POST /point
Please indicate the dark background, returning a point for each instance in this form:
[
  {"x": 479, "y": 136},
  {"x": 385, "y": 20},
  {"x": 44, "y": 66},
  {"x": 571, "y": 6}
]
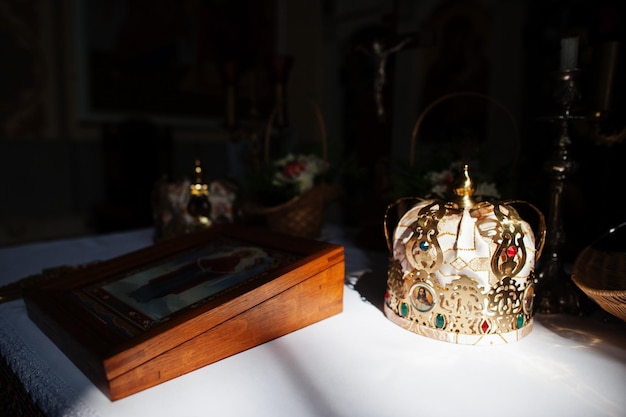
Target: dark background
[{"x": 69, "y": 148}]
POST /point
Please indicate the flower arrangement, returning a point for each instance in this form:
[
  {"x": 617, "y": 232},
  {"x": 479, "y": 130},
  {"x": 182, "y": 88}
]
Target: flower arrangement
[
  {"x": 442, "y": 182},
  {"x": 291, "y": 194},
  {"x": 439, "y": 184},
  {"x": 288, "y": 177},
  {"x": 296, "y": 173}
]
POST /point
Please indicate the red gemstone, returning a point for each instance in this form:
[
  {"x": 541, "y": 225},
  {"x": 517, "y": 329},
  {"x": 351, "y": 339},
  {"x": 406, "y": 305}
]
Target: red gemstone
[
  {"x": 511, "y": 251},
  {"x": 484, "y": 326}
]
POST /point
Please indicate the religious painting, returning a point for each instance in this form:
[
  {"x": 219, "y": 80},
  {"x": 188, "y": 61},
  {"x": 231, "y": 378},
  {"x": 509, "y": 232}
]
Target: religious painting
[
  {"x": 29, "y": 87},
  {"x": 151, "y": 294},
  {"x": 172, "y": 61},
  {"x": 465, "y": 112},
  {"x": 459, "y": 61}
]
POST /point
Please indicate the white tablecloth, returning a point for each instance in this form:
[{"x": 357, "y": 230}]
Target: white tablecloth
[{"x": 356, "y": 363}]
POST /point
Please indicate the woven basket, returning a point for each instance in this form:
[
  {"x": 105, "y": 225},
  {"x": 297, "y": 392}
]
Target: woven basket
[
  {"x": 601, "y": 275},
  {"x": 467, "y": 94},
  {"x": 303, "y": 215}
]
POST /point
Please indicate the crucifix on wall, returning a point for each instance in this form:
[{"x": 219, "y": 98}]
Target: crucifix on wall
[{"x": 381, "y": 51}]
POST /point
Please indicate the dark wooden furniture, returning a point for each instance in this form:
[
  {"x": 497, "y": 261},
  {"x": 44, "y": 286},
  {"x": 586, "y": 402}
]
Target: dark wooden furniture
[{"x": 124, "y": 350}]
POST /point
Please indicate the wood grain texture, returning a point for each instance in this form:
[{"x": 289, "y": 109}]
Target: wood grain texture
[{"x": 293, "y": 296}]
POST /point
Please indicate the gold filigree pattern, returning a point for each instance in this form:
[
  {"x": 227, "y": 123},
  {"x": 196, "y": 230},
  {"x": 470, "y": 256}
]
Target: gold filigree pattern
[
  {"x": 463, "y": 272},
  {"x": 422, "y": 248},
  {"x": 505, "y": 263},
  {"x": 461, "y": 307}
]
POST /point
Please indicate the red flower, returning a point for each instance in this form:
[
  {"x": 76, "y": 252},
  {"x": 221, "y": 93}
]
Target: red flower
[{"x": 293, "y": 169}]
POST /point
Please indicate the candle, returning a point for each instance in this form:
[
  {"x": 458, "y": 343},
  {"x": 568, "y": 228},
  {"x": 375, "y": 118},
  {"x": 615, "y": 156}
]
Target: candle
[
  {"x": 605, "y": 75},
  {"x": 569, "y": 53}
]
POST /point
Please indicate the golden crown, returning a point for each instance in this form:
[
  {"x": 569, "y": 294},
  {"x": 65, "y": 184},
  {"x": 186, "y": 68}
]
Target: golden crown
[{"x": 463, "y": 272}]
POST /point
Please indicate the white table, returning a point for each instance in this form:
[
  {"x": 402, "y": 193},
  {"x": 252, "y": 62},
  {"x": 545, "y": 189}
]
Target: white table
[{"x": 355, "y": 364}]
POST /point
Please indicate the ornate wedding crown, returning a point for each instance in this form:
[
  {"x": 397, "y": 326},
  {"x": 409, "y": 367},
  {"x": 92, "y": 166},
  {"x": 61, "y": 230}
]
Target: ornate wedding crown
[{"x": 463, "y": 272}]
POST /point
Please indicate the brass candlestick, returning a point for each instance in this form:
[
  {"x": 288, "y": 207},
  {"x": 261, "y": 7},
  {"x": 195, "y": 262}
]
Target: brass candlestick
[{"x": 555, "y": 290}]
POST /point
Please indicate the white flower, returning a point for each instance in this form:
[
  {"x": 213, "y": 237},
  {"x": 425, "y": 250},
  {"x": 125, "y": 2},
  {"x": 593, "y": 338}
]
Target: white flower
[
  {"x": 487, "y": 189},
  {"x": 439, "y": 189},
  {"x": 439, "y": 178}
]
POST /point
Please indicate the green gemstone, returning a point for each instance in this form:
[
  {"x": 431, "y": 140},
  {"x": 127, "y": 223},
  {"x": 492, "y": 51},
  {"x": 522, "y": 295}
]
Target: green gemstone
[
  {"x": 520, "y": 321},
  {"x": 440, "y": 321},
  {"x": 404, "y": 309}
]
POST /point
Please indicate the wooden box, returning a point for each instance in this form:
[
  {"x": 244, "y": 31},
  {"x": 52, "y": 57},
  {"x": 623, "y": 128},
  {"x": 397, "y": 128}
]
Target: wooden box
[{"x": 157, "y": 313}]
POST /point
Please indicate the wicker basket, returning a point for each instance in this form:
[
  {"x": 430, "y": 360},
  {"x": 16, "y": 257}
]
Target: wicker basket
[
  {"x": 601, "y": 275},
  {"x": 514, "y": 147},
  {"x": 303, "y": 215}
]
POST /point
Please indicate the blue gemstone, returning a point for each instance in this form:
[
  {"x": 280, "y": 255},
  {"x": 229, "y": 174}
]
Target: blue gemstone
[{"x": 424, "y": 246}]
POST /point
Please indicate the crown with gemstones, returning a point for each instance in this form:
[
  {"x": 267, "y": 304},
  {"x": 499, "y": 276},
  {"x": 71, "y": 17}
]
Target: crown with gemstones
[{"x": 463, "y": 272}]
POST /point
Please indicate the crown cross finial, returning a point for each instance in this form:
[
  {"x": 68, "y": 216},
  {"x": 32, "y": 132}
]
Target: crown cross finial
[{"x": 464, "y": 188}]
